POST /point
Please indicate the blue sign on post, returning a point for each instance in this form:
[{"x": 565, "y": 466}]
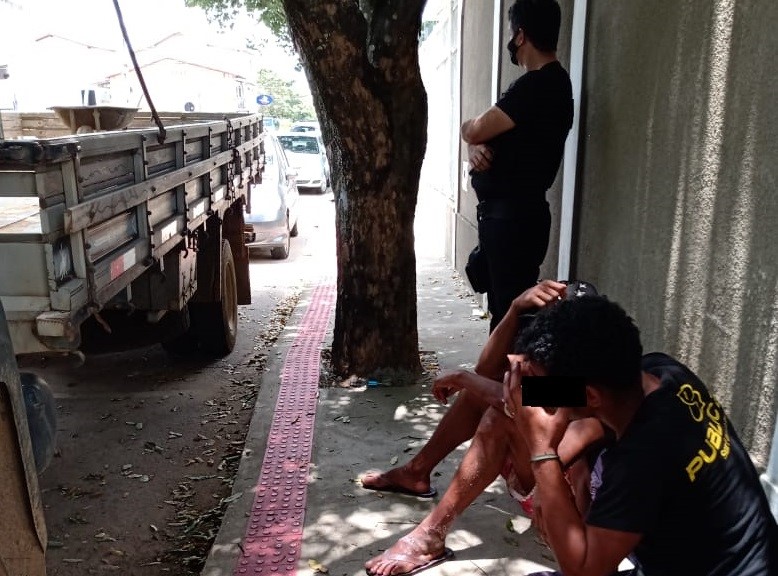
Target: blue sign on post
[{"x": 264, "y": 99}]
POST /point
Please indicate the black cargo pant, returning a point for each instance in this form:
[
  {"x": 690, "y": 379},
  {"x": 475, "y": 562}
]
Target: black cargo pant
[{"x": 514, "y": 240}]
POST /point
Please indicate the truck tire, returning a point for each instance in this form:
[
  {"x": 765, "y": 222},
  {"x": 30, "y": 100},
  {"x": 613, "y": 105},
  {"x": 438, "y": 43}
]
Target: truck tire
[
  {"x": 185, "y": 344},
  {"x": 217, "y": 322},
  {"x": 282, "y": 252},
  {"x": 41, "y": 418}
]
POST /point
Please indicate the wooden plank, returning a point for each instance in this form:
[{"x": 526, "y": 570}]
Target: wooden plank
[
  {"x": 104, "y": 173},
  {"x": 99, "y": 209},
  {"x": 17, "y": 183}
]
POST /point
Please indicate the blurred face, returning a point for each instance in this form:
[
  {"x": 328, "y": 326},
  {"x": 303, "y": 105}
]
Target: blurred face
[{"x": 529, "y": 368}]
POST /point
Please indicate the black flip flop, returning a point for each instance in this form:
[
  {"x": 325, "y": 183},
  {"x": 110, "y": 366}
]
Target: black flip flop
[
  {"x": 431, "y": 493},
  {"x": 447, "y": 554}
]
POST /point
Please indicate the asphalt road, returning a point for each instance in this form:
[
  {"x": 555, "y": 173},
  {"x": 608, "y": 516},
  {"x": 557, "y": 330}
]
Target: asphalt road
[{"x": 148, "y": 444}]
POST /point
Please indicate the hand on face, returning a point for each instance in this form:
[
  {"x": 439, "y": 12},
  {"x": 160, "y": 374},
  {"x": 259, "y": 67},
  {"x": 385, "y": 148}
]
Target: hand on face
[{"x": 542, "y": 429}]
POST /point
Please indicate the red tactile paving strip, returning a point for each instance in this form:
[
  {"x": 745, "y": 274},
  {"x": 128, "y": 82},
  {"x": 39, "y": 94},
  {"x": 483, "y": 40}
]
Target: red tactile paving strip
[{"x": 274, "y": 534}]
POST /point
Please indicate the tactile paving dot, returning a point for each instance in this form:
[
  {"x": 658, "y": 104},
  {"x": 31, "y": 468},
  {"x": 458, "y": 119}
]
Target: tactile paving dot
[{"x": 274, "y": 531}]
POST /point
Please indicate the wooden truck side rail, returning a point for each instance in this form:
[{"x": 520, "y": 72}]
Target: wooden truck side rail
[{"x": 103, "y": 208}]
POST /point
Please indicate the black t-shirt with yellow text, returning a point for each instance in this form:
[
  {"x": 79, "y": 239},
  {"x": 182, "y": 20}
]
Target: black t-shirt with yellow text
[{"x": 680, "y": 476}]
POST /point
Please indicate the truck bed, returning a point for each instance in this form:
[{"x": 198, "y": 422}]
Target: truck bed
[{"x": 82, "y": 217}]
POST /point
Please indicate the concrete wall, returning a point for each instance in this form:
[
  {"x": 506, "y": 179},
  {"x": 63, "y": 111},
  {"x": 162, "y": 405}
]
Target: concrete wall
[
  {"x": 678, "y": 209},
  {"x": 439, "y": 60},
  {"x": 477, "y": 96}
]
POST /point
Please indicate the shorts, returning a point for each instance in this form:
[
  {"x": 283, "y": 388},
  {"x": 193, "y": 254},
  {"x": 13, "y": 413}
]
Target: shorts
[
  {"x": 524, "y": 497},
  {"x": 516, "y": 490}
]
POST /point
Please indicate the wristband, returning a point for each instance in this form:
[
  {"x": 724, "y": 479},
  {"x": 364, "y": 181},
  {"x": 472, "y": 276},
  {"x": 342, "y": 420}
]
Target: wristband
[{"x": 544, "y": 457}]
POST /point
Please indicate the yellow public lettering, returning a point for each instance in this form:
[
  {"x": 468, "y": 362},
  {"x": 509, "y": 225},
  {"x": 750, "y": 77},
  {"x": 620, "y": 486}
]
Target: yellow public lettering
[
  {"x": 693, "y": 467},
  {"x": 713, "y": 436},
  {"x": 725, "y": 449},
  {"x": 713, "y": 411},
  {"x": 708, "y": 458}
]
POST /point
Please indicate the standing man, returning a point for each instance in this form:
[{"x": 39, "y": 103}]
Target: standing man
[{"x": 514, "y": 149}]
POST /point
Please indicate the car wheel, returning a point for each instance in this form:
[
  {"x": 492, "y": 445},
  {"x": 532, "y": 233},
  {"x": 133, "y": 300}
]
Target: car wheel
[
  {"x": 294, "y": 231},
  {"x": 282, "y": 252},
  {"x": 323, "y": 189}
]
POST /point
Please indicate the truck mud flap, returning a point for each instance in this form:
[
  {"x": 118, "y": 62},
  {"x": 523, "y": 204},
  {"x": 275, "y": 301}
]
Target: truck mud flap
[
  {"x": 233, "y": 232},
  {"x": 23, "y": 534}
]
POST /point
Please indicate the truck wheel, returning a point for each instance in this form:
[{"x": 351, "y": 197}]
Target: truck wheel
[
  {"x": 217, "y": 322},
  {"x": 41, "y": 418},
  {"x": 186, "y": 344}
]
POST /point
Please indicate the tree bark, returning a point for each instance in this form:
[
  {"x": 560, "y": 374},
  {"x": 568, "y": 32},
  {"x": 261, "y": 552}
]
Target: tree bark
[{"x": 361, "y": 59}]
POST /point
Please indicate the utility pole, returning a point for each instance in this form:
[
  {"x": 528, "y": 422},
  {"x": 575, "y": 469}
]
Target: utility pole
[{"x": 3, "y": 76}]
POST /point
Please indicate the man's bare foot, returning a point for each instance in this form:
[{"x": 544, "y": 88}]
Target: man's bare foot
[
  {"x": 398, "y": 480},
  {"x": 410, "y": 554}
]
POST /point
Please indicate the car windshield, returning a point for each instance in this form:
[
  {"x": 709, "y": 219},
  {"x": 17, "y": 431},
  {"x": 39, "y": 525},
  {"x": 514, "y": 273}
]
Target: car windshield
[{"x": 300, "y": 144}]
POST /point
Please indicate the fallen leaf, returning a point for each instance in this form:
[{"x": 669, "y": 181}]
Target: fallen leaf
[
  {"x": 394, "y": 460},
  {"x": 317, "y": 567}
]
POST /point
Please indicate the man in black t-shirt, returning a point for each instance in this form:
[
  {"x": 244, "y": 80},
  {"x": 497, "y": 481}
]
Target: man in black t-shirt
[
  {"x": 514, "y": 149},
  {"x": 679, "y": 492}
]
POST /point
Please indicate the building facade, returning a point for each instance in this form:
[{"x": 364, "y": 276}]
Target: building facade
[{"x": 667, "y": 196}]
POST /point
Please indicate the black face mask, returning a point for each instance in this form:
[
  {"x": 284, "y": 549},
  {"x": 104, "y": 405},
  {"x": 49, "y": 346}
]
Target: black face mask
[{"x": 512, "y": 51}]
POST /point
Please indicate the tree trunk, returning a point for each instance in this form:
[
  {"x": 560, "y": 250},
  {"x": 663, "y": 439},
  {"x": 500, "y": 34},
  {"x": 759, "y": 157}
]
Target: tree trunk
[{"x": 362, "y": 64}]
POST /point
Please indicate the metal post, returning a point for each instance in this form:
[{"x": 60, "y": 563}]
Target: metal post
[{"x": 570, "y": 163}]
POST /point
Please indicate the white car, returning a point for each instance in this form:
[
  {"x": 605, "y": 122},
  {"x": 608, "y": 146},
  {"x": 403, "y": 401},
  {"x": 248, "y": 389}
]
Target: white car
[
  {"x": 305, "y": 127},
  {"x": 306, "y": 154},
  {"x": 272, "y": 208}
]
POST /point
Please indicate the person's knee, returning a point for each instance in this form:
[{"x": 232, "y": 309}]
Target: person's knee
[
  {"x": 472, "y": 401},
  {"x": 494, "y": 426}
]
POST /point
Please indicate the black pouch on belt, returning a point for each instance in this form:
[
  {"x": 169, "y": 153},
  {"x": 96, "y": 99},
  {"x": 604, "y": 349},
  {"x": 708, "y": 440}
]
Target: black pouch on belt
[{"x": 477, "y": 271}]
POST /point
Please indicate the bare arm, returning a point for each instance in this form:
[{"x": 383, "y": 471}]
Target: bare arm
[
  {"x": 452, "y": 381},
  {"x": 580, "y": 549},
  {"x": 483, "y": 128},
  {"x": 493, "y": 361}
]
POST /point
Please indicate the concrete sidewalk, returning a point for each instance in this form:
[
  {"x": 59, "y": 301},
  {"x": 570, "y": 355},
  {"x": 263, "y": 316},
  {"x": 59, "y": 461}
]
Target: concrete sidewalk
[{"x": 359, "y": 429}]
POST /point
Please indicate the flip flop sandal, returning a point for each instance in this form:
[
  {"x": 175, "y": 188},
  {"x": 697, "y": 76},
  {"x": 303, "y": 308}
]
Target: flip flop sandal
[
  {"x": 447, "y": 554},
  {"x": 431, "y": 493}
]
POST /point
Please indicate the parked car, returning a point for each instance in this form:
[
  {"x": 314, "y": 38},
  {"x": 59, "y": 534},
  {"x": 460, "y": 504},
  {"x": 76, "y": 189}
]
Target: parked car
[
  {"x": 305, "y": 127},
  {"x": 305, "y": 151},
  {"x": 271, "y": 215},
  {"x": 270, "y": 124}
]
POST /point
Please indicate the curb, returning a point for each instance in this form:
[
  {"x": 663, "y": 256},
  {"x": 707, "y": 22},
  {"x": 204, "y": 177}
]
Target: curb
[{"x": 226, "y": 549}]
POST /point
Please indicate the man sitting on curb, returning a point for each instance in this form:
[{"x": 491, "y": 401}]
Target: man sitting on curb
[
  {"x": 496, "y": 446},
  {"x": 679, "y": 491}
]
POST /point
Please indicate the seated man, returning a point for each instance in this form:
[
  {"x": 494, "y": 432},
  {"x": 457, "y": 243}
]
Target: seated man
[
  {"x": 496, "y": 446},
  {"x": 679, "y": 492}
]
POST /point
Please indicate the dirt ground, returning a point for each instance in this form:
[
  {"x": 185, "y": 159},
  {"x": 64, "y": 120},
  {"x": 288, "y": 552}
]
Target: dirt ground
[
  {"x": 148, "y": 445},
  {"x": 147, "y": 450}
]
